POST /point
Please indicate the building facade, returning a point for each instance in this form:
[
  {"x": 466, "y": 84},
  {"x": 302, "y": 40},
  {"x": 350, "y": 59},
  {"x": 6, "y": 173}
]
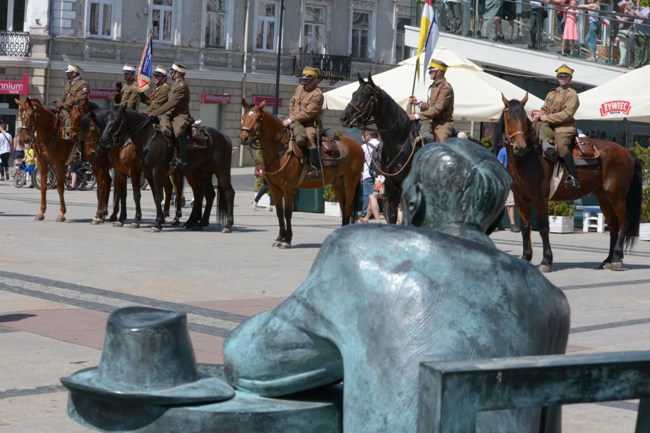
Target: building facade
[{"x": 230, "y": 46}]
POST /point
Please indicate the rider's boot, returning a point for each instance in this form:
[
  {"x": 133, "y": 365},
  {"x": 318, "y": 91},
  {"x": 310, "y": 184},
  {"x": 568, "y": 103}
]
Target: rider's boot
[
  {"x": 180, "y": 162},
  {"x": 572, "y": 181},
  {"x": 314, "y": 170}
]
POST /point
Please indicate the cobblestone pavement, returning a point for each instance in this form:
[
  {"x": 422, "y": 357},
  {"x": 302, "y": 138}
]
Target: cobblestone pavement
[{"x": 59, "y": 281}]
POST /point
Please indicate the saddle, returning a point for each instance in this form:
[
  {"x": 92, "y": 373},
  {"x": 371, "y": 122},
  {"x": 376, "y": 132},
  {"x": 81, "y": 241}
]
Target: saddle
[
  {"x": 331, "y": 148},
  {"x": 197, "y": 138},
  {"x": 583, "y": 150}
]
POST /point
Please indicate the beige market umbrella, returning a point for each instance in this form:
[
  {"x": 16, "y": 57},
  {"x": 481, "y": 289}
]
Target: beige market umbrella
[
  {"x": 624, "y": 97},
  {"x": 477, "y": 94}
]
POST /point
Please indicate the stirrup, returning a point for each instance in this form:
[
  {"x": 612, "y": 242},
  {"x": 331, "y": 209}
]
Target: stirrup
[
  {"x": 177, "y": 164},
  {"x": 314, "y": 172},
  {"x": 572, "y": 182}
]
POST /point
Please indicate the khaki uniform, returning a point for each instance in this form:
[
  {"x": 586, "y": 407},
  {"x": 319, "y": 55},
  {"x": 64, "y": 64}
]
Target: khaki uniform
[
  {"x": 75, "y": 91},
  {"x": 157, "y": 98},
  {"x": 128, "y": 96},
  {"x": 305, "y": 110},
  {"x": 439, "y": 110},
  {"x": 176, "y": 111},
  {"x": 560, "y": 106}
]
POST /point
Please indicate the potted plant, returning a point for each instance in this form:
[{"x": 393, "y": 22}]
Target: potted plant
[
  {"x": 643, "y": 153},
  {"x": 561, "y": 216},
  {"x": 332, "y": 207}
]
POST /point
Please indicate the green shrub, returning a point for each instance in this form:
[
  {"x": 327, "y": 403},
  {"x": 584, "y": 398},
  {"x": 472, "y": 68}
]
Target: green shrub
[
  {"x": 643, "y": 153},
  {"x": 561, "y": 208},
  {"x": 329, "y": 194},
  {"x": 487, "y": 143}
]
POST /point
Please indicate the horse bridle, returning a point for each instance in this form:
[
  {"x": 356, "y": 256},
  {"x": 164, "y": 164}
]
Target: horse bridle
[
  {"x": 253, "y": 141},
  {"x": 364, "y": 115},
  {"x": 509, "y": 139}
]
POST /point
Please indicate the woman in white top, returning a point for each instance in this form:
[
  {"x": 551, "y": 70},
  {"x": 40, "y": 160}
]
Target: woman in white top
[{"x": 5, "y": 150}]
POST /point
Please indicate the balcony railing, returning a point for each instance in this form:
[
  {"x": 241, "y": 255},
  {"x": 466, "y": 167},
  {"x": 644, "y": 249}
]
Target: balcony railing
[
  {"x": 333, "y": 68},
  {"x": 14, "y": 44}
]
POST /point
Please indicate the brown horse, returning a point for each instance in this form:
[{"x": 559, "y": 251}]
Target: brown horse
[
  {"x": 49, "y": 146},
  {"x": 285, "y": 171},
  {"x": 615, "y": 180}
]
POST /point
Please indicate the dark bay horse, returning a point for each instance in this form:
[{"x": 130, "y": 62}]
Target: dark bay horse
[
  {"x": 616, "y": 181},
  {"x": 155, "y": 153},
  {"x": 285, "y": 171},
  {"x": 49, "y": 146},
  {"x": 125, "y": 163},
  {"x": 372, "y": 105}
]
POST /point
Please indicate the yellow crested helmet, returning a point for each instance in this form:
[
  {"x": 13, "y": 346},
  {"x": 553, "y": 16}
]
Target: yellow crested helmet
[
  {"x": 564, "y": 71},
  {"x": 437, "y": 65},
  {"x": 308, "y": 73}
]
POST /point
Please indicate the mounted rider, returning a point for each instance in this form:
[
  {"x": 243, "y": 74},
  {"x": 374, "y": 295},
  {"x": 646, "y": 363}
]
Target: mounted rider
[
  {"x": 160, "y": 93},
  {"x": 438, "y": 111},
  {"x": 76, "y": 90},
  {"x": 558, "y": 126},
  {"x": 127, "y": 95},
  {"x": 305, "y": 109},
  {"x": 175, "y": 113}
]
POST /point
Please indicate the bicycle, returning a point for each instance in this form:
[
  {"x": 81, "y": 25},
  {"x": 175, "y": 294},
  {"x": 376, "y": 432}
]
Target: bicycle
[
  {"x": 86, "y": 179},
  {"x": 51, "y": 178},
  {"x": 20, "y": 177}
]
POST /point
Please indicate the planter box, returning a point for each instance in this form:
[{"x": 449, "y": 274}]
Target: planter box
[
  {"x": 560, "y": 224},
  {"x": 644, "y": 232},
  {"x": 332, "y": 208}
]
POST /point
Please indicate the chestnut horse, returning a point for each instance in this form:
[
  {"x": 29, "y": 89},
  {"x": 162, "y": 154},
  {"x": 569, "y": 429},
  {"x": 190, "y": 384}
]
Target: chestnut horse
[
  {"x": 155, "y": 154},
  {"x": 49, "y": 147},
  {"x": 285, "y": 171},
  {"x": 616, "y": 181},
  {"x": 372, "y": 105}
]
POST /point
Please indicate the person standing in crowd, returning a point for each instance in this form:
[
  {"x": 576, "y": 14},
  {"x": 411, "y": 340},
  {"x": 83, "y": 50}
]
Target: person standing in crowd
[
  {"x": 370, "y": 206},
  {"x": 76, "y": 90},
  {"x": 175, "y": 114},
  {"x": 510, "y": 201},
  {"x": 641, "y": 36},
  {"x": 454, "y": 16},
  {"x": 537, "y": 16},
  {"x": 6, "y": 145},
  {"x": 305, "y": 109},
  {"x": 624, "y": 35},
  {"x": 127, "y": 95},
  {"x": 438, "y": 111},
  {"x": 264, "y": 189},
  {"x": 570, "y": 34},
  {"x": 507, "y": 12},
  {"x": 160, "y": 93},
  {"x": 18, "y": 148},
  {"x": 558, "y": 124},
  {"x": 593, "y": 11}
]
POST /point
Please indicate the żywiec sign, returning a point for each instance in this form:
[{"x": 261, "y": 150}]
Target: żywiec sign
[
  {"x": 101, "y": 93},
  {"x": 216, "y": 98},
  {"x": 615, "y": 107},
  {"x": 12, "y": 87}
]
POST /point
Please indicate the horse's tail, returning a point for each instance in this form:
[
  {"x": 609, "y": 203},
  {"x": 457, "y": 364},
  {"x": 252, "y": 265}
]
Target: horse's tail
[
  {"x": 633, "y": 203},
  {"x": 221, "y": 205}
]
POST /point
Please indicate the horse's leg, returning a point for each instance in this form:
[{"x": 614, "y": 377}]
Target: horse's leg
[
  {"x": 103, "y": 193},
  {"x": 208, "y": 192},
  {"x": 135, "y": 175},
  {"x": 288, "y": 211},
  {"x": 614, "y": 214},
  {"x": 116, "y": 202},
  {"x": 167, "y": 188},
  {"x": 541, "y": 208},
  {"x": 225, "y": 200},
  {"x": 391, "y": 203},
  {"x": 278, "y": 199},
  {"x": 120, "y": 191},
  {"x": 178, "y": 180},
  {"x": 60, "y": 188},
  {"x": 195, "y": 214},
  {"x": 525, "y": 214},
  {"x": 156, "y": 182},
  {"x": 344, "y": 202}
]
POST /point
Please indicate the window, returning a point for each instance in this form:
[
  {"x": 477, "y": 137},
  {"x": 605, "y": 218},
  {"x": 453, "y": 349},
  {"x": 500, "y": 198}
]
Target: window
[
  {"x": 215, "y": 23},
  {"x": 162, "y": 20},
  {"x": 360, "y": 34},
  {"x": 99, "y": 18},
  {"x": 268, "y": 15},
  {"x": 314, "y": 29},
  {"x": 402, "y": 52}
]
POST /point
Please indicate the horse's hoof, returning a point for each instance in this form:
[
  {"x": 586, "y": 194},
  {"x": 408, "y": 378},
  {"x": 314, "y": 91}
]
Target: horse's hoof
[
  {"x": 175, "y": 223},
  {"x": 118, "y": 224},
  {"x": 60, "y": 219},
  {"x": 285, "y": 245},
  {"x": 135, "y": 225},
  {"x": 226, "y": 230},
  {"x": 613, "y": 266},
  {"x": 156, "y": 229},
  {"x": 276, "y": 244},
  {"x": 544, "y": 268},
  {"x": 39, "y": 218},
  {"x": 112, "y": 219},
  {"x": 197, "y": 228}
]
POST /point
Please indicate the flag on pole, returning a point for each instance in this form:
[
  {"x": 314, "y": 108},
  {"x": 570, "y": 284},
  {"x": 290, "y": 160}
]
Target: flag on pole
[
  {"x": 429, "y": 35},
  {"x": 145, "y": 68}
]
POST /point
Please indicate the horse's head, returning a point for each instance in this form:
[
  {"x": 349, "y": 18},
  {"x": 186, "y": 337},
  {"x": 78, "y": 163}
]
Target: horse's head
[
  {"x": 114, "y": 133},
  {"x": 515, "y": 124},
  {"x": 90, "y": 131},
  {"x": 358, "y": 112},
  {"x": 251, "y": 123},
  {"x": 79, "y": 109},
  {"x": 28, "y": 115}
]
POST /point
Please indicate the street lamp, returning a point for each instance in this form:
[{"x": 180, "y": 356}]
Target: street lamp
[{"x": 277, "y": 72}]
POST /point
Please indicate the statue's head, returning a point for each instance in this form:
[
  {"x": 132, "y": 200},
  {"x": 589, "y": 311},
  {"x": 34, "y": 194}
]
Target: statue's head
[{"x": 457, "y": 182}]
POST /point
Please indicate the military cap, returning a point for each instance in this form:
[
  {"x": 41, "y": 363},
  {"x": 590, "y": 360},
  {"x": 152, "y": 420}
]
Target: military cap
[
  {"x": 73, "y": 67},
  {"x": 128, "y": 68},
  {"x": 437, "y": 65},
  {"x": 564, "y": 70},
  {"x": 308, "y": 73},
  {"x": 179, "y": 67},
  {"x": 159, "y": 71}
]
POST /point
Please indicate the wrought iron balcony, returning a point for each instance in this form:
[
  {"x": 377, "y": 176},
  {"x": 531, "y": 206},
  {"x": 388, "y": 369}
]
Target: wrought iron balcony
[
  {"x": 14, "y": 44},
  {"x": 333, "y": 68}
]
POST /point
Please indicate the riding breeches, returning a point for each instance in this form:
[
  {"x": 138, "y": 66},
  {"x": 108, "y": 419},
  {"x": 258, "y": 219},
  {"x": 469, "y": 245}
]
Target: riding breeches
[
  {"x": 442, "y": 131},
  {"x": 177, "y": 124},
  {"x": 66, "y": 119},
  {"x": 561, "y": 137},
  {"x": 305, "y": 135}
]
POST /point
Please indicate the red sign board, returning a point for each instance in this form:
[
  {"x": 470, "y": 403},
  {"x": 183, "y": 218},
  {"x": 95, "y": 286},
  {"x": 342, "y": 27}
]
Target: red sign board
[
  {"x": 216, "y": 98},
  {"x": 12, "y": 87},
  {"x": 270, "y": 100},
  {"x": 615, "y": 107},
  {"x": 101, "y": 93}
]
